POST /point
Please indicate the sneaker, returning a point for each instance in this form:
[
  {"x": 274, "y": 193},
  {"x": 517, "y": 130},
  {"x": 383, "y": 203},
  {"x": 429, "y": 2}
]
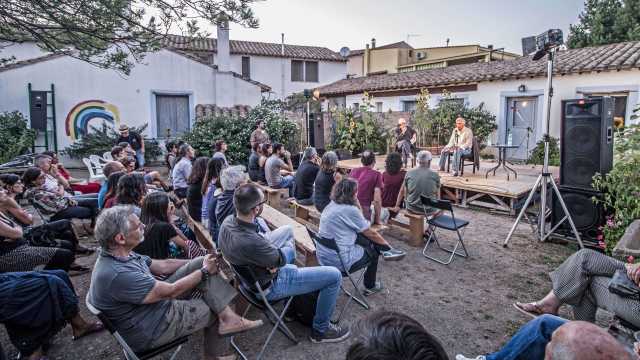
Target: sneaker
[
  {"x": 333, "y": 334},
  {"x": 393, "y": 254},
  {"x": 376, "y": 289},
  {"x": 455, "y": 173},
  {"x": 462, "y": 357}
]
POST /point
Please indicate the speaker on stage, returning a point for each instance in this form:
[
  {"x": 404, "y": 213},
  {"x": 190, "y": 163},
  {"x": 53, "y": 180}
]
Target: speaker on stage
[
  {"x": 586, "y": 215},
  {"x": 586, "y": 140}
]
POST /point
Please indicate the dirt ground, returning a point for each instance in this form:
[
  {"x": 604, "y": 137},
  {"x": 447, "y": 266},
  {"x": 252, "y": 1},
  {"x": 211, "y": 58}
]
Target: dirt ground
[{"x": 467, "y": 305}]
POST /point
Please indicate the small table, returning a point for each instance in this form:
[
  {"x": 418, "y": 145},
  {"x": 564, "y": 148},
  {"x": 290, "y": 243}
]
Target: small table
[{"x": 502, "y": 160}]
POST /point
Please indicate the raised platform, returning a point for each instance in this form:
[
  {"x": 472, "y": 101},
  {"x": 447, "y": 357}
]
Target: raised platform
[{"x": 493, "y": 192}]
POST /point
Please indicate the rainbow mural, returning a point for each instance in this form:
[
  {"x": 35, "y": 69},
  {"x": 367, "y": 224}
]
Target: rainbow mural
[{"x": 77, "y": 122}]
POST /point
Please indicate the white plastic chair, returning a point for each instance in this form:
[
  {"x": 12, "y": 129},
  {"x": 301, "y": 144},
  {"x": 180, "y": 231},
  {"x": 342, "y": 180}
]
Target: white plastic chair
[
  {"x": 97, "y": 163},
  {"x": 93, "y": 176},
  {"x": 107, "y": 156}
]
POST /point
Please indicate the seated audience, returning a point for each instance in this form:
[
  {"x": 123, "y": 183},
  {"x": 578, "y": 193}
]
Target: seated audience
[
  {"x": 220, "y": 148},
  {"x": 146, "y": 311},
  {"x": 387, "y": 335},
  {"x": 129, "y": 152},
  {"x": 182, "y": 170},
  {"x": 112, "y": 190},
  {"x": 242, "y": 245},
  {"x": 152, "y": 178},
  {"x": 552, "y": 337},
  {"x": 265, "y": 152},
  {"x": 369, "y": 186},
  {"x": 131, "y": 191},
  {"x": 163, "y": 239},
  {"x": 36, "y": 306},
  {"x": 108, "y": 169},
  {"x": 360, "y": 245},
  {"x": 327, "y": 176},
  {"x": 419, "y": 181},
  {"x": 79, "y": 185},
  {"x": 405, "y": 140},
  {"x": 254, "y": 164},
  {"x": 170, "y": 158},
  {"x": 135, "y": 142},
  {"x": 460, "y": 144},
  {"x": 210, "y": 185},
  {"x": 305, "y": 176},
  {"x": 277, "y": 165},
  {"x": 582, "y": 282},
  {"x": 54, "y": 205},
  {"x": 56, "y": 184},
  {"x": 392, "y": 179},
  {"x": 194, "y": 191},
  {"x": 231, "y": 178},
  {"x": 118, "y": 153}
]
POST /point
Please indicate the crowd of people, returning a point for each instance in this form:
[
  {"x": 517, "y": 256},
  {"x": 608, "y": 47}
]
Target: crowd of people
[{"x": 156, "y": 283}]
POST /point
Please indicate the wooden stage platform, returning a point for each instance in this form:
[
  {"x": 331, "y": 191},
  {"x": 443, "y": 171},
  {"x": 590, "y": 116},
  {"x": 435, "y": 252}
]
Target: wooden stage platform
[{"x": 493, "y": 192}]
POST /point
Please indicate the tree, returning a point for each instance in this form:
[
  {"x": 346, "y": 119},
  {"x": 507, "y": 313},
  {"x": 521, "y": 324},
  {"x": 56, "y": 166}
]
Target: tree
[
  {"x": 606, "y": 22},
  {"x": 113, "y": 34}
]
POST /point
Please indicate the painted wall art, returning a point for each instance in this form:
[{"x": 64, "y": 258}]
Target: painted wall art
[{"x": 78, "y": 119}]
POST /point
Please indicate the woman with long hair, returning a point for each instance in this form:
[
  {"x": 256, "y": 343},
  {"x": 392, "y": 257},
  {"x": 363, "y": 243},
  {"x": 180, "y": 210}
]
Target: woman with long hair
[
  {"x": 112, "y": 189},
  {"x": 131, "y": 190},
  {"x": 326, "y": 178},
  {"x": 210, "y": 183},
  {"x": 266, "y": 150},
  {"x": 163, "y": 239},
  {"x": 194, "y": 191},
  {"x": 392, "y": 179}
]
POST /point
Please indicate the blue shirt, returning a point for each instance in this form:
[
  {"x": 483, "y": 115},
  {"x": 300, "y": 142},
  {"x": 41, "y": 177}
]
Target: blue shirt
[
  {"x": 342, "y": 223},
  {"x": 102, "y": 193}
]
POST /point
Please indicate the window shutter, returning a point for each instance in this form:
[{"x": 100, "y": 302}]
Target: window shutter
[
  {"x": 311, "y": 71},
  {"x": 297, "y": 70},
  {"x": 246, "y": 67}
]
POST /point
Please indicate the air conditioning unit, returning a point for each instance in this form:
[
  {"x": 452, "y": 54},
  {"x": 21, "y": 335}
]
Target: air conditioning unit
[{"x": 421, "y": 55}]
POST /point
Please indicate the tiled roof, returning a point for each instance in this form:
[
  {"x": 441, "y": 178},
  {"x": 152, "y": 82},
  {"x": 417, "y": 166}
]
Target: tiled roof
[
  {"x": 398, "y": 45},
  {"x": 252, "y": 48},
  {"x": 599, "y": 58},
  {"x": 19, "y": 64}
]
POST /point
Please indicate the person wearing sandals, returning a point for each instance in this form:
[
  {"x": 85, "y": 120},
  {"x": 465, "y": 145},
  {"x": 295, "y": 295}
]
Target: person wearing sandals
[
  {"x": 149, "y": 313},
  {"x": 359, "y": 244},
  {"x": 582, "y": 281}
]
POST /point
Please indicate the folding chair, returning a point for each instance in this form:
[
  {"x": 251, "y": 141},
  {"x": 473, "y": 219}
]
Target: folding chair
[
  {"x": 443, "y": 221},
  {"x": 253, "y": 292},
  {"x": 129, "y": 354},
  {"x": 331, "y": 244}
]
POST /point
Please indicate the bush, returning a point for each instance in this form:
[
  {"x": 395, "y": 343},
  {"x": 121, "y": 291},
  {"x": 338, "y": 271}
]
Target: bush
[
  {"x": 360, "y": 130},
  {"x": 103, "y": 138},
  {"x": 537, "y": 155},
  {"x": 15, "y": 137},
  {"x": 621, "y": 186}
]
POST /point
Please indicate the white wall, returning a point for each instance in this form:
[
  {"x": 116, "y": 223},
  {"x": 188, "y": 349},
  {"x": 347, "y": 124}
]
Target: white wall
[{"x": 395, "y": 103}]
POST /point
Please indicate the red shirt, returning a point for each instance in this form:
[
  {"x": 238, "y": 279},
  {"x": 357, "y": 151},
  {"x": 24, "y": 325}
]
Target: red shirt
[
  {"x": 391, "y": 185},
  {"x": 368, "y": 180}
]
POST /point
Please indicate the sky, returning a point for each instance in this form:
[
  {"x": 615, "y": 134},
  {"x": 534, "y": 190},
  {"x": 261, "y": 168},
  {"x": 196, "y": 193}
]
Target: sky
[{"x": 352, "y": 23}]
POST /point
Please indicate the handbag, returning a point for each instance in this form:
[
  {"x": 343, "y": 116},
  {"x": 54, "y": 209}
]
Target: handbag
[
  {"x": 40, "y": 237},
  {"x": 621, "y": 285}
]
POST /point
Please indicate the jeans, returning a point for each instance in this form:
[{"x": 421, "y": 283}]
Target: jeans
[
  {"x": 287, "y": 182},
  {"x": 404, "y": 148},
  {"x": 281, "y": 237},
  {"x": 530, "y": 341},
  {"x": 369, "y": 260},
  {"x": 457, "y": 156},
  {"x": 292, "y": 280},
  {"x": 140, "y": 158}
]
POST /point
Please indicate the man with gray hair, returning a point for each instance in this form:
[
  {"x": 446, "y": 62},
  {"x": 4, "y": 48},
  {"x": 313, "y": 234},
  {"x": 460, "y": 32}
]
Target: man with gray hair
[
  {"x": 420, "y": 180},
  {"x": 460, "y": 145},
  {"x": 306, "y": 176},
  {"x": 231, "y": 178},
  {"x": 148, "y": 312},
  {"x": 406, "y": 139}
]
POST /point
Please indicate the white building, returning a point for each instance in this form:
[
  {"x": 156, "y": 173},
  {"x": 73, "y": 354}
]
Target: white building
[
  {"x": 285, "y": 68},
  {"x": 513, "y": 90},
  {"x": 162, "y": 92}
]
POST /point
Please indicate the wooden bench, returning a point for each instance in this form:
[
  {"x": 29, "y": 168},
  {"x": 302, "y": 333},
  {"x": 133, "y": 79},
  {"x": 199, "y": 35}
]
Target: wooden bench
[
  {"x": 306, "y": 213},
  {"x": 415, "y": 226},
  {"x": 304, "y": 243},
  {"x": 274, "y": 196}
]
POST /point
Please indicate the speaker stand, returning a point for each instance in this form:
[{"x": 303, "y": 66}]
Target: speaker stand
[{"x": 546, "y": 178}]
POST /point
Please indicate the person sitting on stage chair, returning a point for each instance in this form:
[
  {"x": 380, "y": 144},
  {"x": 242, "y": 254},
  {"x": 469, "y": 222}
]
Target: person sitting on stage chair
[
  {"x": 405, "y": 140},
  {"x": 460, "y": 144}
]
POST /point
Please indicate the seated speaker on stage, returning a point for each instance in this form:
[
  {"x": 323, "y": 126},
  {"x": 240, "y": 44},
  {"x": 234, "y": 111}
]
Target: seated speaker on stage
[
  {"x": 405, "y": 140},
  {"x": 460, "y": 144}
]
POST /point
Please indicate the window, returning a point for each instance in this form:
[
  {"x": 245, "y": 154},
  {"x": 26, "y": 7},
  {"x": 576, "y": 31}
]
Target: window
[
  {"x": 379, "y": 106},
  {"x": 356, "y": 106},
  {"x": 408, "y": 106},
  {"x": 306, "y": 71},
  {"x": 246, "y": 67},
  {"x": 172, "y": 115}
]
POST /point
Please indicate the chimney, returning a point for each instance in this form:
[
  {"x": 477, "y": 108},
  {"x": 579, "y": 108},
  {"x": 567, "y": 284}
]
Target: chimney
[
  {"x": 490, "y": 47},
  {"x": 223, "y": 48},
  {"x": 373, "y": 43}
]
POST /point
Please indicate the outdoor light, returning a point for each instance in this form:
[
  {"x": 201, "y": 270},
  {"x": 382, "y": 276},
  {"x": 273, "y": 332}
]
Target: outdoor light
[
  {"x": 316, "y": 94},
  {"x": 524, "y": 104},
  {"x": 522, "y": 88}
]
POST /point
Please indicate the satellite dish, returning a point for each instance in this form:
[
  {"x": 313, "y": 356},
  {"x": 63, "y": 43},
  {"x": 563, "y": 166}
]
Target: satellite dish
[{"x": 344, "y": 52}]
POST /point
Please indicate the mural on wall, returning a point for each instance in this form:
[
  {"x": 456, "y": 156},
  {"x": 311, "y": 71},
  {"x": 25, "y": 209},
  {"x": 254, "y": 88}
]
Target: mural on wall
[{"x": 77, "y": 122}]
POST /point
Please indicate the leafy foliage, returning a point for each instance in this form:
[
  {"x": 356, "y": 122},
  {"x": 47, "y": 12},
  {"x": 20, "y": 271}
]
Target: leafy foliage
[
  {"x": 357, "y": 131},
  {"x": 103, "y": 138},
  {"x": 236, "y": 131},
  {"x": 606, "y": 22},
  {"x": 15, "y": 137},
  {"x": 621, "y": 186},
  {"x": 537, "y": 155},
  {"x": 112, "y": 33}
]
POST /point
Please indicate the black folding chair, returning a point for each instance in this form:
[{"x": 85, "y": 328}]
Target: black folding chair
[
  {"x": 331, "y": 244},
  {"x": 129, "y": 354},
  {"x": 443, "y": 221},
  {"x": 254, "y": 293}
]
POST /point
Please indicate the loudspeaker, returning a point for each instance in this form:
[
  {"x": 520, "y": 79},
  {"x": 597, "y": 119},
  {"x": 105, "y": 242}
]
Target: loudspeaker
[
  {"x": 586, "y": 215},
  {"x": 38, "y": 111},
  {"x": 586, "y": 140}
]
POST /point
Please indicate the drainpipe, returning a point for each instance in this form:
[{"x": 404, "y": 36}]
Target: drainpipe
[{"x": 283, "y": 66}]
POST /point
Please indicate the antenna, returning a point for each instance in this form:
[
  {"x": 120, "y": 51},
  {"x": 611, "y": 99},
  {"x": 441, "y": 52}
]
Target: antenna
[
  {"x": 412, "y": 35},
  {"x": 448, "y": 42}
]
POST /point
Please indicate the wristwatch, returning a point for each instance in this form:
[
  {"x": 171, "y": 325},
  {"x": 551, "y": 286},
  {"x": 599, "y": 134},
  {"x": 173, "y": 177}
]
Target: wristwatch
[{"x": 205, "y": 274}]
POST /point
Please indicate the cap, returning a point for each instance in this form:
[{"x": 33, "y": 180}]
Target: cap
[{"x": 124, "y": 127}]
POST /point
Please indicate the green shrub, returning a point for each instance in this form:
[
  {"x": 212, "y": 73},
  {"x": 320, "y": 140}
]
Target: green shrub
[
  {"x": 537, "y": 155},
  {"x": 103, "y": 138},
  {"x": 360, "y": 130},
  {"x": 15, "y": 137}
]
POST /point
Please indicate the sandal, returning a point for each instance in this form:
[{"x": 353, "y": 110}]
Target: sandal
[
  {"x": 537, "y": 309},
  {"x": 246, "y": 325},
  {"x": 93, "y": 328}
]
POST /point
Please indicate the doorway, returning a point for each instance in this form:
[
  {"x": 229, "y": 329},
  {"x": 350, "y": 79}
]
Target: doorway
[{"x": 521, "y": 124}]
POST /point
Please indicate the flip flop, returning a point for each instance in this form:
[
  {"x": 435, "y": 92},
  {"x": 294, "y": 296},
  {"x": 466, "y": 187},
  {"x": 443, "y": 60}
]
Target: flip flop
[
  {"x": 534, "y": 314},
  {"x": 93, "y": 328},
  {"x": 242, "y": 328}
]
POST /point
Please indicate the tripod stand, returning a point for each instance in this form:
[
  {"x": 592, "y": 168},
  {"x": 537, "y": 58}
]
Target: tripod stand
[{"x": 546, "y": 178}]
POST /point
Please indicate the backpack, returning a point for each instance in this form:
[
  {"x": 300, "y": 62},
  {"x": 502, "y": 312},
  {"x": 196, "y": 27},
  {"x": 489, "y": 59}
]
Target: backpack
[{"x": 303, "y": 307}]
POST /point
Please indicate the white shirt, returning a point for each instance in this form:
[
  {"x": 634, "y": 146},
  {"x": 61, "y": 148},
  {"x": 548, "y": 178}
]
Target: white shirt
[{"x": 461, "y": 138}]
